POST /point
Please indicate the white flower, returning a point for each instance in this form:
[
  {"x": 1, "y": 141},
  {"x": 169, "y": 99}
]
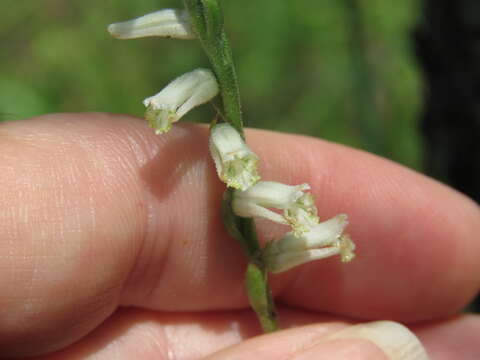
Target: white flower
[
  {"x": 236, "y": 164},
  {"x": 298, "y": 207},
  {"x": 165, "y": 23},
  {"x": 179, "y": 97},
  {"x": 324, "y": 240}
]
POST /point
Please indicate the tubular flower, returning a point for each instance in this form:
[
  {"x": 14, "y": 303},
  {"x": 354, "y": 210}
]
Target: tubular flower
[
  {"x": 172, "y": 23},
  {"x": 236, "y": 164},
  {"x": 179, "y": 97},
  {"x": 298, "y": 207},
  {"x": 324, "y": 240}
]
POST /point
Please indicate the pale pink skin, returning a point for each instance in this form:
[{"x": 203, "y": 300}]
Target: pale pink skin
[{"x": 96, "y": 212}]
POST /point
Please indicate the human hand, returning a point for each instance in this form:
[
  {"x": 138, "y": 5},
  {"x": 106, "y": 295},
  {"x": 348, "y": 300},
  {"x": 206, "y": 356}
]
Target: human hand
[{"x": 112, "y": 247}]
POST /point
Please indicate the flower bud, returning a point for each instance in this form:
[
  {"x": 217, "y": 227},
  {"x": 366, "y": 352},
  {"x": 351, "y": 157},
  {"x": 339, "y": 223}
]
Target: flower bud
[{"x": 179, "y": 97}]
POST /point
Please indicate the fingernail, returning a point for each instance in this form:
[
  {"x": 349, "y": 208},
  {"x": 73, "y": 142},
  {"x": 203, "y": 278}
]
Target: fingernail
[
  {"x": 395, "y": 340},
  {"x": 342, "y": 349}
]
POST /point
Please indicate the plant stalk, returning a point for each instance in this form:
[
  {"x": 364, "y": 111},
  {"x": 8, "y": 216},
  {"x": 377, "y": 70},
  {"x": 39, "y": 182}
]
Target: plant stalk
[{"x": 207, "y": 21}]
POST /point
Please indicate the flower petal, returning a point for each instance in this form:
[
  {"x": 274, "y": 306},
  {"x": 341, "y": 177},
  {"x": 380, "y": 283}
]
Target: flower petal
[
  {"x": 172, "y": 23},
  {"x": 288, "y": 260},
  {"x": 178, "y": 97},
  {"x": 236, "y": 164}
]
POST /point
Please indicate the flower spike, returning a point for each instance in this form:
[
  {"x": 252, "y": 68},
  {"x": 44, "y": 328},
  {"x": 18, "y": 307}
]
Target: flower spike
[
  {"x": 236, "y": 164},
  {"x": 324, "y": 240},
  {"x": 179, "y": 97},
  {"x": 172, "y": 23},
  {"x": 298, "y": 207}
]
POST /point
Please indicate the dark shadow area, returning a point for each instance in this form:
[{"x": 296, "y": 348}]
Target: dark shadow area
[{"x": 447, "y": 44}]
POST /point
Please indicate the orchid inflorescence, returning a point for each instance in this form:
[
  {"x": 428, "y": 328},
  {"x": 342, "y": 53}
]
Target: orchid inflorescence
[{"x": 235, "y": 162}]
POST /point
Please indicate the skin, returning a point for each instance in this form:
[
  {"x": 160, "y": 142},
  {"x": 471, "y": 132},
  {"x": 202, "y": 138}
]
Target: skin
[{"x": 112, "y": 247}]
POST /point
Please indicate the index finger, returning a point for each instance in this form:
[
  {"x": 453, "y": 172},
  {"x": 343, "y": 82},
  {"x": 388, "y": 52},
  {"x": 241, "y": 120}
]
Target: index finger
[{"x": 99, "y": 209}]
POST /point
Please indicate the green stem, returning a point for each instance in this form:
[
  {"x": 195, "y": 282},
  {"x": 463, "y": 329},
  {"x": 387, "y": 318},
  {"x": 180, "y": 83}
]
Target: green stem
[
  {"x": 242, "y": 229},
  {"x": 256, "y": 278},
  {"x": 207, "y": 22}
]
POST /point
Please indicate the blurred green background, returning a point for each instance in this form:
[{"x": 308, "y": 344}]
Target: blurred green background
[{"x": 340, "y": 70}]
